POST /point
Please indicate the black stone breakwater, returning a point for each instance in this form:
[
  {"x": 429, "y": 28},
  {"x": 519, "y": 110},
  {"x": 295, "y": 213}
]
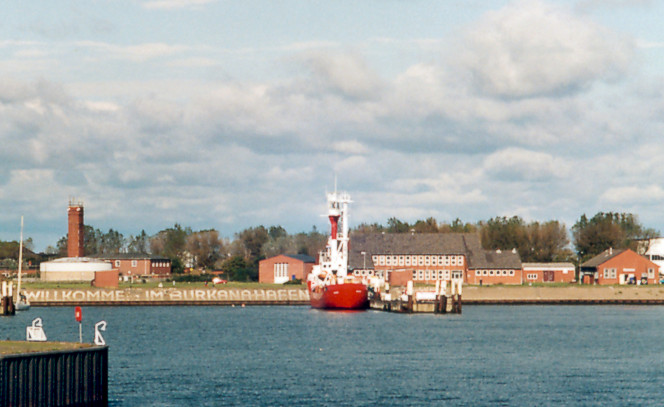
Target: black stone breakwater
[{"x": 167, "y": 296}]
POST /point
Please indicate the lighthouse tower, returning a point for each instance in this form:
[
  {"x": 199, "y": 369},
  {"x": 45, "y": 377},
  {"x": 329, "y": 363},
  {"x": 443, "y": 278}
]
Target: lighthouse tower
[{"x": 76, "y": 236}]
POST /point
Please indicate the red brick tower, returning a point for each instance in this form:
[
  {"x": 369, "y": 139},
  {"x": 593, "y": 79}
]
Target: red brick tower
[{"x": 76, "y": 236}]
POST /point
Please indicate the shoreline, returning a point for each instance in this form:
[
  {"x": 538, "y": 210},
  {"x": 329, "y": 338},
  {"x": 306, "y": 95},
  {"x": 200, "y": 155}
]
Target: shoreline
[{"x": 472, "y": 295}]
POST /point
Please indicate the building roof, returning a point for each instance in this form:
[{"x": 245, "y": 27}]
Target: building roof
[
  {"x": 603, "y": 257},
  {"x": 76, "y": 260},
  {"x": 302, "y": 257},
  {"x": 541, "y": 266},
  {"x": 128, "y": 256},
  {"x": 467, "y": 244},
  {"x": 489, "y": 259}
]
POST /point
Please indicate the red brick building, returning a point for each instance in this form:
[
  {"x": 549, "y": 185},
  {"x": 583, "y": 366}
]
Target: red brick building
[
  {"x": 132, "y": 265},
  {"x": 490, "y": 267},
  {"x": 549, "y": 272},
  {"x": 430, "y": 257},
  {"x": 622, "y": 266},
  {"x": 284, "y": 267}
]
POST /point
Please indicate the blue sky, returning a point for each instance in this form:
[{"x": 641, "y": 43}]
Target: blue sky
[{"x": 227, "y": 115}]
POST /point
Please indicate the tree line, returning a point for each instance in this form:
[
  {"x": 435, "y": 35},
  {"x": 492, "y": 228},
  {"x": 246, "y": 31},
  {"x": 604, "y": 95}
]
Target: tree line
[
  {"x": 538, "y": 241},
  {"x": 535, "y": 241}
]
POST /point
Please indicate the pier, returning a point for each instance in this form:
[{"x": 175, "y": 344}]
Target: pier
[
  {"x": 432, "y": 302},
  {"x": 53, "y": 374},
  {"x": 7, "y": 300}
]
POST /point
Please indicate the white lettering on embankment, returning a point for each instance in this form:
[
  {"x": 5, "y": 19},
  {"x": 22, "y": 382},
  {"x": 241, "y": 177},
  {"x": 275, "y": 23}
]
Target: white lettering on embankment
[{"x": 166, "y": 295}]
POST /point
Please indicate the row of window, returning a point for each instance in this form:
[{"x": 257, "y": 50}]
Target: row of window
[
  {"x": 613, "y": 273},
  {"x": 365, "y": 273},
  {"x": 134, "y": 263},
  {"x": 159, "y": 264},
  {"x": 280, "y": 270},
  {"x": 494, "y": 272},
  {"x": 428, "y": 275},
  {"x": 417, "y": 260},
  {"x": 531, "y": 276}
]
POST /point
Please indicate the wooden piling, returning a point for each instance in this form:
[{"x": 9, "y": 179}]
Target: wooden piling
[{"x": 7, "y": 306}]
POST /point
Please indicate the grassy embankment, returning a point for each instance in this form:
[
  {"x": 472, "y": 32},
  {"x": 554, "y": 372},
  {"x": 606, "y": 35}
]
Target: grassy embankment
[{"x": 17, "y": 347}]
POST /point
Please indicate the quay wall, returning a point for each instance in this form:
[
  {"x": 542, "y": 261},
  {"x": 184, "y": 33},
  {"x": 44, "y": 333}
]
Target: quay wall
[
  {"x": 572, "y": 294},
  {"x": 167, "y": 296}
]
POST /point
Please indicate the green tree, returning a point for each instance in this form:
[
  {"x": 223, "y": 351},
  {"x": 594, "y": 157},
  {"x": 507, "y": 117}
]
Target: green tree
[
  {"x": 547, "y": 242},
  {"x": 369, "y": 228},
  {"x": 457, "y": 226},
  {"x": 112, "y": 242},
  {"x": 177, "y": 267},
  {"x": 430, "y": 225},
  {"x": 206, "y": 247},
  {"x": 237, "y": 269},
  {"x": 608, "y": 230},
  {"x": 394, "y": 225},
  {"x": 170, "y": 242},
  {"x": 61, "y": 246},
  {"x": 505, "y": 233},
  {"x": 252, "y": 240},
  {"x": 139, "y": 243}
]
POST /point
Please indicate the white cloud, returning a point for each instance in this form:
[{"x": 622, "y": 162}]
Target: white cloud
[
  {"x": 532, "y": 48},
  {"x": 518, "y": 164},
  {"x": 345, "y": 73},
  {"x": 175, "y": 4},
  {"x": 634, "y": 194},
  {"x": 137, "y": 53},
  {"x": 350, "y": 147}
]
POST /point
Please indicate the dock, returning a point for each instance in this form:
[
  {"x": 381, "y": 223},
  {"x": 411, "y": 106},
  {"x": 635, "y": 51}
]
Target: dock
[{"x": 432, "y": 302}]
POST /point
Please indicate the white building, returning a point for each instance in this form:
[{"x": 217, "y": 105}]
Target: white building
[
  {"x": 72, "y": 269},
  {"x": 653, "y": 249}
]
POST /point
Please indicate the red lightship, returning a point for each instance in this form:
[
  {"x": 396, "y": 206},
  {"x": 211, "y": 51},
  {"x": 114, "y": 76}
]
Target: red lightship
[{"x": 330, "y": 286}]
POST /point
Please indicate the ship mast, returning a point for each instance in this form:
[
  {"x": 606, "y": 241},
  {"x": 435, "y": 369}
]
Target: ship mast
[
  {"x": 338, "y": 242},
  {"x": 20, "y": 262}
]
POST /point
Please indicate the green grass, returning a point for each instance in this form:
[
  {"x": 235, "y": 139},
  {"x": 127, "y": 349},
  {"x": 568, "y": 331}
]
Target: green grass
[{"x": 19, "y": 347}]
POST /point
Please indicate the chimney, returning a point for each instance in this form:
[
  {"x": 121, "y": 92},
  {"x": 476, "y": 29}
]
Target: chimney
[{"x": 76, "y": 236}]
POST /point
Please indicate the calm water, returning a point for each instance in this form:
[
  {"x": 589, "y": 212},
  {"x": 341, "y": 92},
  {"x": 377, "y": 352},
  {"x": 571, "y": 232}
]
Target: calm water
[{"x": 295, "y": 356}]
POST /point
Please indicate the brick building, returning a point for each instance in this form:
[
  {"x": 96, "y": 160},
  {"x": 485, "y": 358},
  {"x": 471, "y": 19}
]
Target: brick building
[
  {"x": 431, "y": 257},
  {"x": 622, "y": 266},
  {"x": 549, "y": 272},
  {"x": 139, "y": 265},
  {"x": 284, "y": 267},
  {"x": 489, "y": 267}
]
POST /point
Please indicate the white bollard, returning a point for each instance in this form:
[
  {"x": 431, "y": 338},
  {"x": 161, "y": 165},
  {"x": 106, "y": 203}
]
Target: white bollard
[
  {"x": 100, "y": 326},
  {"x": 35, "y": 332}
]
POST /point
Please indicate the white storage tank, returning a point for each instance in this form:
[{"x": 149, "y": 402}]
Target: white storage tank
[{"x": 72, "y": 269}]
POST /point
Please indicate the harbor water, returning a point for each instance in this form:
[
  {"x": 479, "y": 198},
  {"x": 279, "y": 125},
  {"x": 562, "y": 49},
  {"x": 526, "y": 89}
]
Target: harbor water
[{"x": 296, "y": 356}]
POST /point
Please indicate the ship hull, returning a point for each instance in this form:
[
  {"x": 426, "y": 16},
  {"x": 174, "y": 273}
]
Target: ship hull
[{"x": 350, "y": 296}]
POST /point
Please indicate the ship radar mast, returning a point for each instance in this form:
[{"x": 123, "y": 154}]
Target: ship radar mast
[{"x": 333, "y": 261}]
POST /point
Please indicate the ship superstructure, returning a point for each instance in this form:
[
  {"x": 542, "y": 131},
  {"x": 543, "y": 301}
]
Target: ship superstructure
[{"x": 329, "y": 284}]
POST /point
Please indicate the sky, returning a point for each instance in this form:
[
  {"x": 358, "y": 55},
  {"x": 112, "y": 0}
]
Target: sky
[{"x": 233, "y": 114}]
